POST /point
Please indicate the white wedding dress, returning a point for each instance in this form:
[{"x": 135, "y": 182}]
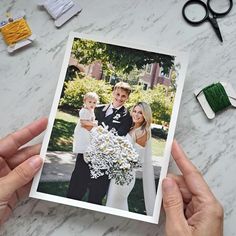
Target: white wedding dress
[{"x": 117, "y": 196}]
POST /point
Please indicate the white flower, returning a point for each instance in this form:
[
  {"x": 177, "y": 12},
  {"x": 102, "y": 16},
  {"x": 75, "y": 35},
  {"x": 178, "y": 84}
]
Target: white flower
[
  {"x": 125, "y": 166},
  {"x": 117, "y": 117},
  {"x": 112, "y": 155}
]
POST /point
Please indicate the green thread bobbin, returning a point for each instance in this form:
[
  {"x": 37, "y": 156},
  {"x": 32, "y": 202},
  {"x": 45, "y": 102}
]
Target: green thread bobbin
[{"x": 216, "y": 97}]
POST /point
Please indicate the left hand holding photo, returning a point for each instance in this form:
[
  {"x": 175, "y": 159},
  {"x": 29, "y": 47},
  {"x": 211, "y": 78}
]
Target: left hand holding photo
[{"x": 18, "y": 165}]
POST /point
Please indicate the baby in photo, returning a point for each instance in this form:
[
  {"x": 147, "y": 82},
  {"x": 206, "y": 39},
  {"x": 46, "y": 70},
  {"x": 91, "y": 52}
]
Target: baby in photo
[{"x": 87, "y": 116}]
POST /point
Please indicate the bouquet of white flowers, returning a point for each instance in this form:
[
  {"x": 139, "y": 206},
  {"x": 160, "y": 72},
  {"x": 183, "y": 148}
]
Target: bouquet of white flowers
[{"x": 112, "y": 155}]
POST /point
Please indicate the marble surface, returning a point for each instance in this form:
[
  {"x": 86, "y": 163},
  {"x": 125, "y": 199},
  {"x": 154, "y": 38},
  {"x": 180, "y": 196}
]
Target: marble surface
[{"x": 28, "y": 81}]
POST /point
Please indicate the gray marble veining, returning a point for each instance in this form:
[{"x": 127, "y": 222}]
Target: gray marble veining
[{"x": 28, "y": 81}]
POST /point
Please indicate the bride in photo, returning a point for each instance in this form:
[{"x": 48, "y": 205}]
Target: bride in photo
[{"x": 140, "y": 137}]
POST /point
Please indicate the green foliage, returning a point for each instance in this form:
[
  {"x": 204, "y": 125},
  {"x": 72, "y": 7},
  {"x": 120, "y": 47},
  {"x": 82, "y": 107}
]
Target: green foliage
[
  {"x": 161, "y": 104},
  {"x": 76, "y": 89},
  {"x": 174, "y": 75},
  {"x": 116, "y": 59},
  {"x": 159, "y": 98}
]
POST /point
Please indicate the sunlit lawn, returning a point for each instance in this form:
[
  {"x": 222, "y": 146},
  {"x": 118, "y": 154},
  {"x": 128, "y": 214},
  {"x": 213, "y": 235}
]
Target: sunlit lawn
[
  {"x": 158, "y": 146},
  {"x": 66, "y": 117},
  {"x": 62, "y": 133}
]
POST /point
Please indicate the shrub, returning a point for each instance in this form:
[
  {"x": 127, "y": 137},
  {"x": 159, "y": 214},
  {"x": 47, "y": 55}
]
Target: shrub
[
  {"x": 76, "y": 89},
  {"x": 158, "y": 98}
]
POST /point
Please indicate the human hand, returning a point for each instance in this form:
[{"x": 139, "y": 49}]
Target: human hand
[
  {"x": 18, "y": 165},
  {"x": 190, "y": 206},
  {"x": 88, "y": 125}
]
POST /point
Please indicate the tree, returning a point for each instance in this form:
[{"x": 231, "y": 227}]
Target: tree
[
  {"x": 174, "y": 75},
  {"x": 116, "y": 59}
]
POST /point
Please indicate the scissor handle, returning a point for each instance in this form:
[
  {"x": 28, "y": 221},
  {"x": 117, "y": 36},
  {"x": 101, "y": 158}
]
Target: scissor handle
[
  {"x": 219, "y": 14},
  {"x": 190, "y": 2}
]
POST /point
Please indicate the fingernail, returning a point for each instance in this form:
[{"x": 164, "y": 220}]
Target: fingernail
[
  {"x": 35, "y": 162},
  {"x": 168, "y": 185}
]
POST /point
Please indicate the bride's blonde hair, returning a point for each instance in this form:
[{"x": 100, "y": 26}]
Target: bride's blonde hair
[{"x": 146, "y": 125}]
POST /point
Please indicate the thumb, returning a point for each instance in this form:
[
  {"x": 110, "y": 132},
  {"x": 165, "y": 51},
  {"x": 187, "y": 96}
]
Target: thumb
[
  {"x": 173, "y": 206},
  {"x": 20, "y": 176}
]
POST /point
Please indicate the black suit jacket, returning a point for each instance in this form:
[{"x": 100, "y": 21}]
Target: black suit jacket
[{"x": 120, "y": 120}]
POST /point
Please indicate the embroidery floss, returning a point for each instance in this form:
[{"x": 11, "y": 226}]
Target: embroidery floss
[
  {"x": 216, "y": 97},
  {"x": 60, "y": 10},
  {"x": 57, "y": 7},
  {"x": 16, "y": 32}
]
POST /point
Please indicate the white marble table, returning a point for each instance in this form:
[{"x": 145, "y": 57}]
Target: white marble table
[{"x": 28, "y": 80}]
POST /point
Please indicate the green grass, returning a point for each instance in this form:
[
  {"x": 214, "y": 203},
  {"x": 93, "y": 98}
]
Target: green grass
[
  {"x": 135, "y": 199},
  {"x": 158, "y": 146},
  {"x": 66, "y": 117},
  {"x": 62, "y": 132},
  {"x": 54, "y": 188}
]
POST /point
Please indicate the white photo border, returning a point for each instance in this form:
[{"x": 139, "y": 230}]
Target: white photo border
[{"x": 181, "y": 58}]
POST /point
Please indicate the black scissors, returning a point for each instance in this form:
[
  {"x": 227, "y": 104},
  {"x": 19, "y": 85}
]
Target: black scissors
[{"x": 208, "y": 9}]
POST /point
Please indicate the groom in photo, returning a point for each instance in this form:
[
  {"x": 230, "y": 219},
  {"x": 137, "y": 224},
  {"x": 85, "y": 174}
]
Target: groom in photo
[{"x": 115, "y": 116}]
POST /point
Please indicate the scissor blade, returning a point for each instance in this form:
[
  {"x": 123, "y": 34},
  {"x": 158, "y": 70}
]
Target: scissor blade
[{"x": 216, "y": 28}]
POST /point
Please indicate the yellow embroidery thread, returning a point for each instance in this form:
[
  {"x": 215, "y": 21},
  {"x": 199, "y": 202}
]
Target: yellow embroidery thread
[{"x": 15, "y": 31}]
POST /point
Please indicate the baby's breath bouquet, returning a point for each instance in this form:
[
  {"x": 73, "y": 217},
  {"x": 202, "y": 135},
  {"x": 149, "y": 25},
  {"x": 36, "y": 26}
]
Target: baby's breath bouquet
[{"x": 112, "y": 155}]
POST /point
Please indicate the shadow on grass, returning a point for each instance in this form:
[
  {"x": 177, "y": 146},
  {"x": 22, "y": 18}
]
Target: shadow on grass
[
  {"x": 135, "y": 200},
  {"x": 62, "y": 136}
]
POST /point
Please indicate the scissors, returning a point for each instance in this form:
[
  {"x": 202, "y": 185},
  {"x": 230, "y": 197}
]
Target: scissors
[{"x": 208, "y": 9}]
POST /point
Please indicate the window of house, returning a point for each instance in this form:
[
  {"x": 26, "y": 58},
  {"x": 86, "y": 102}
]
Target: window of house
[
  {"x": 149, "y": 68},
  {"x": 145, "y": 86}
]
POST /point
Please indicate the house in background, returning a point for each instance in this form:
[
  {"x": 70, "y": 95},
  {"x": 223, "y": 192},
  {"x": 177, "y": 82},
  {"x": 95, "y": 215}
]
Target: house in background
[
  {"x": 73, "y": 62},
  {"x": 149, "y": 77},
  {"x": 152, "y": 76},
  {"x": 94, "y": 70}
]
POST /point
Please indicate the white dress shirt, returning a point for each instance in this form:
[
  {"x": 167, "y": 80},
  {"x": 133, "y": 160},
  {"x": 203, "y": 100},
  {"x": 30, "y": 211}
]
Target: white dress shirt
[{"x": 110, "y": 109}]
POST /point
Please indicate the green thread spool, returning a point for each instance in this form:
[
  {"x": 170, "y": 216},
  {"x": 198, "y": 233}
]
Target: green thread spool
[{"x": 216, "y": 97}]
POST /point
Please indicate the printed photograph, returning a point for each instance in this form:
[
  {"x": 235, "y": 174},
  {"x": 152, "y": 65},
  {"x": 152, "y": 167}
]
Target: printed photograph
[{"x": 107, "y": 142}]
